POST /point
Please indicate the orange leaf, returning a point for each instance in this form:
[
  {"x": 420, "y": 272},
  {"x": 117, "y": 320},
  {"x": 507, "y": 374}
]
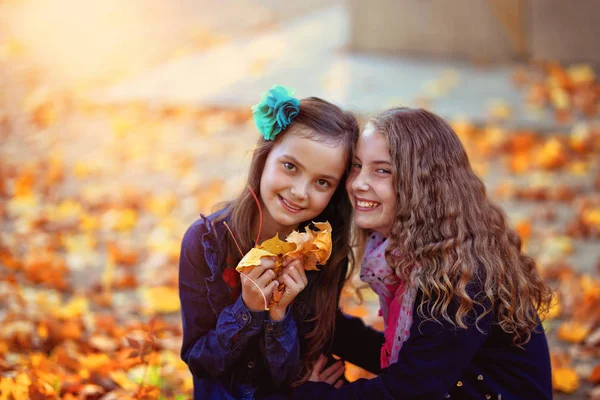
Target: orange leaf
[
  {"x": 523, "y": 228},
  {"x": 573, "y": 332},
  {"x": 123, "y": 256},
  {"x": 565, "y": 380},
  {"x": 42, "y": 390},
  {"x": 315, "y": 247},
  {"x": 595, "y": 375}
]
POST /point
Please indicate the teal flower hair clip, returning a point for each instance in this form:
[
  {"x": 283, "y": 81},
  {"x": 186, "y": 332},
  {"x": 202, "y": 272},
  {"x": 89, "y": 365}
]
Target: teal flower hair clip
[{"x": 276, "y": 110}]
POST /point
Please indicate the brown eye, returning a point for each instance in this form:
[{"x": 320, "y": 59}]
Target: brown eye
[
  {"x": 323, "y": 183},
  {"x": 289, "y": 166}
]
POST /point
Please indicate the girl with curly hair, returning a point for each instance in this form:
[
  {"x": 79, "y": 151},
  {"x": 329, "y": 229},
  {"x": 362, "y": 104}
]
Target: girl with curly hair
[{"x": 460, "y": 301}]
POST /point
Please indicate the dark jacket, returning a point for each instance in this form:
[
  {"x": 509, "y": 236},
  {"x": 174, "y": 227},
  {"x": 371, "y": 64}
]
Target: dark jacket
[
  {"x": 234, "y": 353},
  {"x": 439, "y": 361}
]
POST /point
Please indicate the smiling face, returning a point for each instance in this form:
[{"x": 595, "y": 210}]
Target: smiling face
[
  {"x": 299, "y": 178},
  {"x": 370, "y": 185}
]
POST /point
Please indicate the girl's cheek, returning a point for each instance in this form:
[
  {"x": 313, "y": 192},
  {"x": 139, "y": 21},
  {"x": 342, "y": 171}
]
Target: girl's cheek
[{"x": 323, "y": 200}]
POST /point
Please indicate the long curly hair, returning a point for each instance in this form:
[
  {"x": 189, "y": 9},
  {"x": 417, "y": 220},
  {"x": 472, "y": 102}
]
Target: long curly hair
[
  {"x": 445, "y": 223},
  {"x": 321, "y": 121}
]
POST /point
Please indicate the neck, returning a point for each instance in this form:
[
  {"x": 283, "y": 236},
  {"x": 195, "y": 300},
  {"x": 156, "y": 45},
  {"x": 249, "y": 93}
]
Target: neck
[{"x": 270, "y": 228}]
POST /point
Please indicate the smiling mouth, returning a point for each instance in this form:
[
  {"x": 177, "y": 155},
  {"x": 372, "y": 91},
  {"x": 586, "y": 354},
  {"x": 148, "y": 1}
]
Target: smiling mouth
[
  {"x": 364, "y": 205},
  {"x": 289, "y": 206}
]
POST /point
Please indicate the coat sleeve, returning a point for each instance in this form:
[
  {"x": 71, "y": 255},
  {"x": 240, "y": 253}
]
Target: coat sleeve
[
  {"x": 357, "y": 343},
  {"x": 211, "y": 343},
  {"x": 282, "y": 350}
]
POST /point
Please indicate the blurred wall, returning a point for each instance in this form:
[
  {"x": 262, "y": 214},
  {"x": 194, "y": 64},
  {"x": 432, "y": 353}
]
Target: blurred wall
[{"x": 494, "y": 30}]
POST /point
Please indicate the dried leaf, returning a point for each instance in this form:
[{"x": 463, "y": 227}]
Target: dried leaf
[
  {"x": 573, "y": 332},
  {"x": 565, "y": 380},
  {"x": 277, "y": 246},
  {"x": 595, "y": 375},
  {"x": 252, "y": 258},
  {"x": 161, "y": 299}
]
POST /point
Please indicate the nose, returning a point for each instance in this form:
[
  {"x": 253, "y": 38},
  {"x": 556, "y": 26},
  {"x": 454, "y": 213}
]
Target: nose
[
  {"x": 358, "y": 183},
  {"x": 299, "y": 191}
]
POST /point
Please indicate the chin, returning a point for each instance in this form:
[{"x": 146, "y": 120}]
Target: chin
[
  {"x": 286, "y": 220},
  {"x": 364, "y": 224}
]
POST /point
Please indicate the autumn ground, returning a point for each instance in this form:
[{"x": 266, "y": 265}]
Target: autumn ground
[{"x": 95, "y": 200}]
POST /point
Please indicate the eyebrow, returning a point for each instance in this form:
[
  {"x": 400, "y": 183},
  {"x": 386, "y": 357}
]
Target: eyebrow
[
  {"x": 299, "y": 164},
  {"x": 376, "y": 161}
]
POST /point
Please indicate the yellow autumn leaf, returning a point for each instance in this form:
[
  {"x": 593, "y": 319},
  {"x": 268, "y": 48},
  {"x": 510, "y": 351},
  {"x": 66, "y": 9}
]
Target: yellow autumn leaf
[
  {"x": 252, "y": 258},
  {"x": 76, "y": 307},
  {"x": 581, "y": 74},
  {"x": 554, "y": 309},
  {"x": 551, "y": 155},
  {"x": 277, "y": 246},
  {"x": 591, "y": 216},
  {"x": 88, "y": 223},
  {"x": 314, "y": 247},
  {"x": 161, "y": 299},
  {"x": 120, "y": 220},
  {"x": 15, "y": 389}
]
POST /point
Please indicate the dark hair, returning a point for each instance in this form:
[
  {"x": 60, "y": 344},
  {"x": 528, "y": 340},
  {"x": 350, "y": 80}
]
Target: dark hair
[
  {"x": 322, "y": 121},
  {"x": 445, "y": 222}
]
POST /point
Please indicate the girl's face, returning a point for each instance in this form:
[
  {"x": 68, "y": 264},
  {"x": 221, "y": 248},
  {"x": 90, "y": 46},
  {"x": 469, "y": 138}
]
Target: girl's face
[
  {"x": 370, "y": 185},
  {"x": 298, "y": 180}
]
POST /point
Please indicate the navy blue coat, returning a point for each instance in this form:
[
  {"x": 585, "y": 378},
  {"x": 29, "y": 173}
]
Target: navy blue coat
[
  {"x": 234, "y": 353},
  {"x": 439, "y": 361}
]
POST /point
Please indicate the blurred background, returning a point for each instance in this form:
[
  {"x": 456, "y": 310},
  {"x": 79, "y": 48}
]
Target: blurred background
[{"x": 121, "y": 122}]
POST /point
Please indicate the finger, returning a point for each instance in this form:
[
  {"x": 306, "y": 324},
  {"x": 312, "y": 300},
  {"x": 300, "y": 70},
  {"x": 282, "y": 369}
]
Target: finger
[
  {"x": 289, "y": 259},
  {"x": 266, "y": 263},
  {"x": 337, "y": 374},
  {"x": 317, "y": 368},
  {"x": 299, "y": 266},
  {"x": 268, "y": 291},
  {"x": 298, "y": 275},
  {"x": 293, "y": 272},
  {"x": 327, "y": 372},
  {"x": 333, "y": 372},
  {"x": 291, "y": 286},
  {"x": 302, "y": 273},
  {"x": 266, "y": 278},
  {"x": 297, "y": 262},
  {"x": 338, "y": 384}
]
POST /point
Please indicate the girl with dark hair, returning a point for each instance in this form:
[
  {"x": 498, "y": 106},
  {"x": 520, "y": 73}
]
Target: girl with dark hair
[
  {"x": 233, "y": 347},
  {"x": 460, "y": 301}
]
